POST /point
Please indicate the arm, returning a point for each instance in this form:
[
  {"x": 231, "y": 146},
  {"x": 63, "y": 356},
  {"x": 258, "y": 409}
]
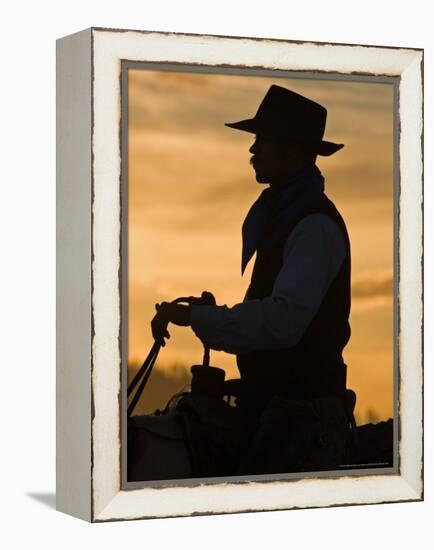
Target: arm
[{"x": 313, "y": 255}]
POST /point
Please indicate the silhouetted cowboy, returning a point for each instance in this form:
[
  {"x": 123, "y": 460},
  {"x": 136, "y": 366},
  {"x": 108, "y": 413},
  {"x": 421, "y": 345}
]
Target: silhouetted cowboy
[{"x": 290, "y": 330}]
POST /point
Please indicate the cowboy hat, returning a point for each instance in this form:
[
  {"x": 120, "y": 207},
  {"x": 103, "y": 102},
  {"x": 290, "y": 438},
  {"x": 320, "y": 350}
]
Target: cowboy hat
[{"x": 286, "y": 115}]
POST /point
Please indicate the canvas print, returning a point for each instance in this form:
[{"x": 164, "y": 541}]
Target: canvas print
[{"x": 258, "y": 232}]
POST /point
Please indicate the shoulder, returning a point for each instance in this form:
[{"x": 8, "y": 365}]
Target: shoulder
[
  {"x": 318, "y": 223},
  {"x": 316, "y": 230}
]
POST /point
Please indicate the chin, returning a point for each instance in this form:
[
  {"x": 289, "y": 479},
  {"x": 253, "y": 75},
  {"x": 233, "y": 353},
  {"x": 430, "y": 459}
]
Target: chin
[{"x": 260, "y": 178}]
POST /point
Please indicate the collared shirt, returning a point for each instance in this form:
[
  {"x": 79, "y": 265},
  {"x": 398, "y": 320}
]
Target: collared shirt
[{"x": 313, "y": 255}]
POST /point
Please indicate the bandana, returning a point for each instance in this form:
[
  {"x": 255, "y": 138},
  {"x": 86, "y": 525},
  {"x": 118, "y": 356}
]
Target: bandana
[{"x": 279, "y": 207}]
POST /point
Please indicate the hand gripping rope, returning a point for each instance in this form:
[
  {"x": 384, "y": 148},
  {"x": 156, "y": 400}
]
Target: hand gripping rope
[{"x": 145, "y": 370}]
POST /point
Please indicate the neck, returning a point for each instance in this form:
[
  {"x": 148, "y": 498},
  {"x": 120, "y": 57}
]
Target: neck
[{"x": 289, "y": 178}]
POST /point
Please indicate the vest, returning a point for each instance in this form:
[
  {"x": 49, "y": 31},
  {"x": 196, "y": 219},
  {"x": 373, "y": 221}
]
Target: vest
[{"x": 314, "y": 367}]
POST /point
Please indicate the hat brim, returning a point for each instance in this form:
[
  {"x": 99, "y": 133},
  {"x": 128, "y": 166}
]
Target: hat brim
[
  {"x": 325, "y": 148},
  {"x": 248, "y": 125}
]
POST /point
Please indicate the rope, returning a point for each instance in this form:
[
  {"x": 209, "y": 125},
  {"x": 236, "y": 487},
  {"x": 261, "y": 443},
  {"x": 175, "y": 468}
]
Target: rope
[
  {"x": 146, "y": 371},
  {"x": 154, "y": 351}
]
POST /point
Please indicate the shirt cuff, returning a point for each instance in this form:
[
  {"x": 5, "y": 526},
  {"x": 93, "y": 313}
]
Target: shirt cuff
[{"x": 206, "y": 322}]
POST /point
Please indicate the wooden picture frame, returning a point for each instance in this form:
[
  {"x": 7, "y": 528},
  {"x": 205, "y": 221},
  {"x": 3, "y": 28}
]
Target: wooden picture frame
[{"x": 90, "y": 215}]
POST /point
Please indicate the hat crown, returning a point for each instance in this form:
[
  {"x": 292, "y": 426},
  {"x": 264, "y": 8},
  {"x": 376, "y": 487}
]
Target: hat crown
[{"x": 285, "y": 113}]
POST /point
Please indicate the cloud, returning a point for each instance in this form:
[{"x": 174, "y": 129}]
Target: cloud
[
  {"x": 180, "y": 148},
  {"x": 372, "y": 285},
  {"x": 191, "y": 102}
]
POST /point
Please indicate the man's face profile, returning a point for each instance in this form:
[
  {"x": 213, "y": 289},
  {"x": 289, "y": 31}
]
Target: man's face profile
[{"x": 274, "y": 160}]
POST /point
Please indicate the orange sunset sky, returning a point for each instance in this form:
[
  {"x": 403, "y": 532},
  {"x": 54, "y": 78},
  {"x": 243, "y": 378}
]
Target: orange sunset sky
[{"x": 190, "y": 186}]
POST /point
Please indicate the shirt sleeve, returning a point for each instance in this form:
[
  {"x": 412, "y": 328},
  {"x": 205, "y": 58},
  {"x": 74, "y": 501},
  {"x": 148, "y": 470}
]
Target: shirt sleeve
[{"x": 313, "y": 255}]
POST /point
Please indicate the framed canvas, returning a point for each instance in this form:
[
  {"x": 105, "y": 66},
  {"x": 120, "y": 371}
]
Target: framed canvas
[{"x": 152, "y": 189}]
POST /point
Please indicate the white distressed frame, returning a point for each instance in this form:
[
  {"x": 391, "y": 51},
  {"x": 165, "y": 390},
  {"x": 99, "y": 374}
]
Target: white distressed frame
[{"x": 94, "y": 492}]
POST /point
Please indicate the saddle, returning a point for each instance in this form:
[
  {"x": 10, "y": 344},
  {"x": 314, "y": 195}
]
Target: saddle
[{"x": 201, "y": 435}]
